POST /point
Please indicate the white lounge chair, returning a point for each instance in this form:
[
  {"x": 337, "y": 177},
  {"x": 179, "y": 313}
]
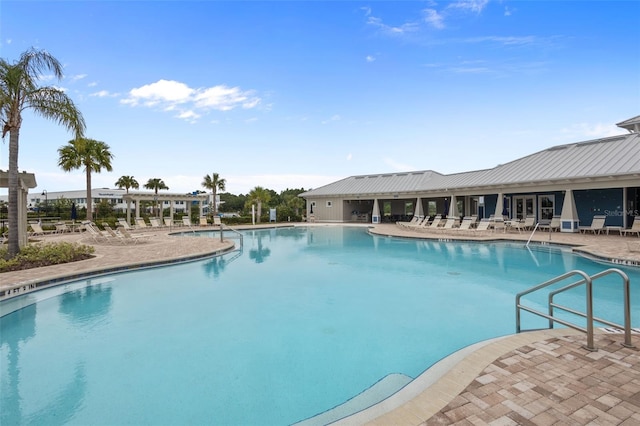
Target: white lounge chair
[
  {"x": 122, "y": 222},
  {"x": 36, "y": 229},
  {"x": 553, "y": 225},
  {"x": 217, "y": 221},
  {"x": 96, "y": 234},
  {"x": 114, "y": 236},
  {"x": 133, "y": 238},
  {"x": 168, "y": 221},
  {"x": 186, "y": 221},
  {"x": 597, "y": 225},
  {"x": 203, "y": 221},
  {"x": 635, "y": 228},
  {"x": 141, "y": 224},
  {"x": 155, "y": 222}
]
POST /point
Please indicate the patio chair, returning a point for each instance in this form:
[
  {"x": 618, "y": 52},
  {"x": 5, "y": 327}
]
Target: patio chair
[
  {"x": 36, "y": 229},
  {"x": 61, "y": 228},
  {"x": 123, "y": 223},
  {"x": 553, "y": 225},
  {"x": 635, "y": 228},
  {"x": 168, "y": 221},
  {"x": 141, "y": 224},
  {"x": 466, "y": 224},
  {"x": 217, "y": 221},
  {"x": 435, "y": 224},
  {"x": 133, "y": 238},
  {"x": 203, "y": 221},
  {"x": 529, "y": 223},
  {"x": 597, "y": 225},
  {"x": 96, "y": 234},
  {"x": 448, "y": 225},
  {"x": 155, "y": 222},
  {"x": 186, "y": 221},
  {"x": 115, "y": 236}
]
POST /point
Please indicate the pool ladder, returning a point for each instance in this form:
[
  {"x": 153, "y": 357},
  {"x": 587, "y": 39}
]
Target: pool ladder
[{"x": 586, "y": 280}]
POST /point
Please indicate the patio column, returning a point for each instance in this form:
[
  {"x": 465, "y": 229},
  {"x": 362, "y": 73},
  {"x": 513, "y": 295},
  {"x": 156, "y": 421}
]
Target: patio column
[
  {"x": 375, "y": 215},
  {"x": 137, "y": 207},
  {"x": 499, "y": 205},
  {"x": 418, "y": 210},
  {"x": 569, "y": 216},
  {"x": 453, "y": 206}
]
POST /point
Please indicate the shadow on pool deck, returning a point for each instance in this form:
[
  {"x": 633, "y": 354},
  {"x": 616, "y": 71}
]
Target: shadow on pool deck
[{"x": 534, "y": 378}]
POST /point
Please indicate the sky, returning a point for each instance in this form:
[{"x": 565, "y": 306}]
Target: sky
[{"x": 299, "y": 94}]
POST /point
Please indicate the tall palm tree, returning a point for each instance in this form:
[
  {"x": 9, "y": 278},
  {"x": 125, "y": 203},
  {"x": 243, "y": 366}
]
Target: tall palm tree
[
  {"x": 127, "y": 182},
  {"x": 214, "y": 183},
  {"x": 155, "y": 184},
  {"x": 258, "y": 195},
  {"x": 20, "y": 90},
  {"x": 91, "y": 154}
]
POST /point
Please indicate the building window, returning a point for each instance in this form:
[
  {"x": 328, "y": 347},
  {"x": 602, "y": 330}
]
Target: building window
[
  {"x": 329, "y": 204},
  {"x": 408, "y": 208},
  {"x": 546, "y": 203},
  {"x": 432, "y": 208}
]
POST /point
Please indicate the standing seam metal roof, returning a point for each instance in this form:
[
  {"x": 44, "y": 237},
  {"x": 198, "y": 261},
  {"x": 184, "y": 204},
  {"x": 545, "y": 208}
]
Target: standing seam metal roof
[{"x": 613, "y": 156}]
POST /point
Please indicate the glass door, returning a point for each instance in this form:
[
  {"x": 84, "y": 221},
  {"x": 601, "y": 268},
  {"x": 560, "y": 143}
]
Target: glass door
[
  {"x": 547, "y": 208},
  {"x": 524, "y": 207}
]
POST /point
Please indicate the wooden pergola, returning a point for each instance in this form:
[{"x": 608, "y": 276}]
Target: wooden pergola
[{"x": 161, "y": 198}]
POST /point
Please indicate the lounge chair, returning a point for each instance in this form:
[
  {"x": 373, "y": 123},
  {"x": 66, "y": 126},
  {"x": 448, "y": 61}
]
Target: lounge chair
[
  {"x": 155, "y": 222},
  {"x": 421, "y": 222},
  {"x": 36, "y": 229},
  {"x": 217, "y": 221},
  {"x": 597, "y": 225},
  {"x": 168, "y": 221},
  {"x": 186, "y": 221},
  {"x": 497, "y": 224},
  {"x": 435, "y": 224},
  {"x": 529, "y": 223},
  {"x": 414, "y": 221},
  {"x": 515, "y": 224},
  {"x": 96, "y": 234},
  {"x": 141, "y": 224},
  {"x": 448, "y": 225},
  {"x": 61, "y": 228},
  {"x": 635, "y": 228},
  {"x": 483, "y": 225},
  {"x": 115, "y": 236},
  {"x": 133, "y": 239},
  {"x": 553, "y": 225},
  {"x": 203, "y": 221},
  {"x": 124, "y": 224},
  {"x": 466, "y": 224}
]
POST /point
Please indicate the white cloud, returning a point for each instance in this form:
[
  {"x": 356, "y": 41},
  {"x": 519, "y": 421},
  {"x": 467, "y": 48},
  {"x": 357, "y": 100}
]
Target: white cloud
[
  {"x": 349, "y": 157},
  {"x": 169, "y": 95},
  {"x": 101, "y": 94},
  {"x": 433, "y": 18},
  {"x": 398, "y": 166},
  {"x": 580, "y": 131},
  {"x": 370, "y": 58},
  {"x": 78, "y": 77},
  {"x": 469, "y": 5},
  {"x": 334, "y": 117}
]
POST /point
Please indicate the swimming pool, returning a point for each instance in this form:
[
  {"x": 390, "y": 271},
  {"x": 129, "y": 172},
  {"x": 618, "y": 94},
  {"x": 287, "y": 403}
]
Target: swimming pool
[{"x": 300, "y": 321}]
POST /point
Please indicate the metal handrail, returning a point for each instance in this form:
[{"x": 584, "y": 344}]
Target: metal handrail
[
  {"x": 588, "y": 280},
  {"x": 240, "y": 235},
  {"x": 532, "y": 232}
]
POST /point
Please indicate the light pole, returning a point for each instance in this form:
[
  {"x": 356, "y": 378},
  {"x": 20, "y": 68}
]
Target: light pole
[{"x": 46, "y": 203}]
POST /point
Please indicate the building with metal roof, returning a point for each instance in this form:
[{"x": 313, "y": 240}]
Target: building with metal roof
[{"x": 575, "y": 181}]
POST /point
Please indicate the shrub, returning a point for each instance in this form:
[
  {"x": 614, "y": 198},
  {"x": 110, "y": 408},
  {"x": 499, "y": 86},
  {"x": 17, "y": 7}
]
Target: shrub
[{"x": 44, "y": 254}]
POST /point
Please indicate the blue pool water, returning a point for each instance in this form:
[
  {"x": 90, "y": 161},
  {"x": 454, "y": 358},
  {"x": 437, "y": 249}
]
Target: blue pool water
[{"x": 300, "y": 321}]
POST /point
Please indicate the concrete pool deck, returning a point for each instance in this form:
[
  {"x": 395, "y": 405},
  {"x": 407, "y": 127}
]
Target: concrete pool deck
[{"x": 534, "y": 378}]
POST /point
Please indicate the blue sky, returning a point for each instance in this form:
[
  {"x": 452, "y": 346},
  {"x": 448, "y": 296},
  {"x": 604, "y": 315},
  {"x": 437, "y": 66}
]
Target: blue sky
[{"x": 289, "y": 94}]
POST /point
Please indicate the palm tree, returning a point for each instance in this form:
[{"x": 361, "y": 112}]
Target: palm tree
[
  {"x": 214, "y": 183},
  {"x": 91, "y": 154},
  {"x": 19, "y": 90},
  {"x": 155, "y": 184},
  {"x": 258, "y": 195},
  {"x": 127, "y": 182}
]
